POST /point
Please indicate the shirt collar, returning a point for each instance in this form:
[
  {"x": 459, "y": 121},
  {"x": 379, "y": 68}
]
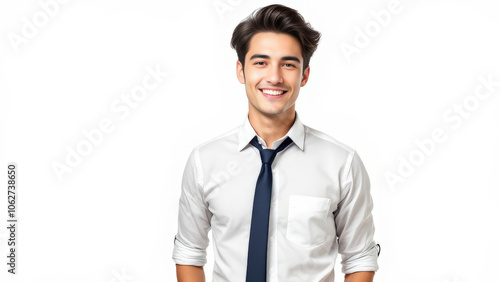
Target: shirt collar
[{"x": 247, "y": 133}]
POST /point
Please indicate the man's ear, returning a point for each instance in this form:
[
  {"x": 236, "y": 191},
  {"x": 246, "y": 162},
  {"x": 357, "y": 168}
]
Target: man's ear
[
  {"x": 240, "y": 73},
  {"x": 305, "y": 76}
]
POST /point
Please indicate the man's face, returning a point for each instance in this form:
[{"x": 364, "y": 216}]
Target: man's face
[{"x": 273, "y": 65}]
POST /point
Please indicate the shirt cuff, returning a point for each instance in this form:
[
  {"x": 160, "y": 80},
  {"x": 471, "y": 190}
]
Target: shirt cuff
[
  {"x": 185, "y": 255},
  {"x": 365, "y": 261}
]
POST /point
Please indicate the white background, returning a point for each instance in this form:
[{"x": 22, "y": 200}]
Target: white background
[{"x": 113, "y": 217}]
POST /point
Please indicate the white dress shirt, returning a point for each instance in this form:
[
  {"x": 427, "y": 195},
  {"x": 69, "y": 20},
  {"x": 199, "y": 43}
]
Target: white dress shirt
[{"x": 320, "y": 206}]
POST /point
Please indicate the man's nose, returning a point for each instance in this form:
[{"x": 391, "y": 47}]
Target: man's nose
[{"x": 275, "y": 75}]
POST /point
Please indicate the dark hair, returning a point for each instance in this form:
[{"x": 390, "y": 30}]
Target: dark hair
[{"x": 277, "y": 18}]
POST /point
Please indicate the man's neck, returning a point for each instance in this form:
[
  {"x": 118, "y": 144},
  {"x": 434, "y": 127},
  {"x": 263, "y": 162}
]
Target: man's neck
[{"x": 271, "y": 128}]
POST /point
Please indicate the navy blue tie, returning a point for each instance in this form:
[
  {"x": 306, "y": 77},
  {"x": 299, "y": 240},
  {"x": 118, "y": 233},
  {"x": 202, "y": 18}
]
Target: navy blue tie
[{"x": 257, "y": 246}]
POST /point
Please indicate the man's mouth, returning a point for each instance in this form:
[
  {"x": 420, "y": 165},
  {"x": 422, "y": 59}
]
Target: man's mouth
[{"x": 273, "y": 92}]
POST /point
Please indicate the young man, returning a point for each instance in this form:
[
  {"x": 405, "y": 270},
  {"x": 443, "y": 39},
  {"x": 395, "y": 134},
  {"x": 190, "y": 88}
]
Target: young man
[{"x": 282, "y": 199}]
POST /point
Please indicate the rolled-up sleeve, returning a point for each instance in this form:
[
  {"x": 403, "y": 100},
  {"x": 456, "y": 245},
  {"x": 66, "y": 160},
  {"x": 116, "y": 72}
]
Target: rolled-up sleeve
[
  {"x": 354, "y": 221},
  {"x": 191, "y": 240}
]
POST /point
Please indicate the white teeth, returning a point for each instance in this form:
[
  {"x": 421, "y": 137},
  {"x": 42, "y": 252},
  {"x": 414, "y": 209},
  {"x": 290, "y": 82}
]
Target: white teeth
[{"x": 272, "y": 92}]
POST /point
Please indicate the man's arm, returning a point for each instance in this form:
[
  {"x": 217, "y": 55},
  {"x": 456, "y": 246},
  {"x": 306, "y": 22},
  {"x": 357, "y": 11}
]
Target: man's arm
[
  {"x": 362, "y": 276},
  {"x": 190, "y": 273},
  {"x": 191, "y": 241},
  {"x": 354, "y": 222}
]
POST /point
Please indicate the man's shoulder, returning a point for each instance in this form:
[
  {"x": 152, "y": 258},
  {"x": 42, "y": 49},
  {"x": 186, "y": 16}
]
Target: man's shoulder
[
  {"x": 315, "y": 137},
  {"x": 330, "y": 147},
  {"x": 219, "y": 141}
]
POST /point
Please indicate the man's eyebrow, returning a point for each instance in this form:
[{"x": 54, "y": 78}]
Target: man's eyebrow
[
  {"x": 290, "y": 58},
  {"x": 286, "y": 58}
]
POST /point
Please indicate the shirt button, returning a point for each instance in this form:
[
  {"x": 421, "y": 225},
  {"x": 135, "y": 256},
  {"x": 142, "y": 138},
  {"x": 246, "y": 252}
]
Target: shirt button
[
  {"x": 273, "y": 205},
  {"x": 274, "y": 171},
  {"x": 271, "y": 270},
  {"x": 272, "y": 239}
]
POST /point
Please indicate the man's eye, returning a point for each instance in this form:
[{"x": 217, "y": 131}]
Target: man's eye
[
  {"x": 259, "y": 63},
  {"x": 290, "y": 65}
]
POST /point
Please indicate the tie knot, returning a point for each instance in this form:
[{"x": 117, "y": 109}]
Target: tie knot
[{"x": 267, "y": 155}]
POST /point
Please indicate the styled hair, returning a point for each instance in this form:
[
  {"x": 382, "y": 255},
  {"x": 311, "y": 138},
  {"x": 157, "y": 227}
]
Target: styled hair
[{"x": 280, "y": 19}]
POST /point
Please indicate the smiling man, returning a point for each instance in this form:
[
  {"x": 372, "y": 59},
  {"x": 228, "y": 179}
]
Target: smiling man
[{"x": 282, "y": 199}]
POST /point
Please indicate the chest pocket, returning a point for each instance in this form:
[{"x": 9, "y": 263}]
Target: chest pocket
[{"x": 307, "y": 220}]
